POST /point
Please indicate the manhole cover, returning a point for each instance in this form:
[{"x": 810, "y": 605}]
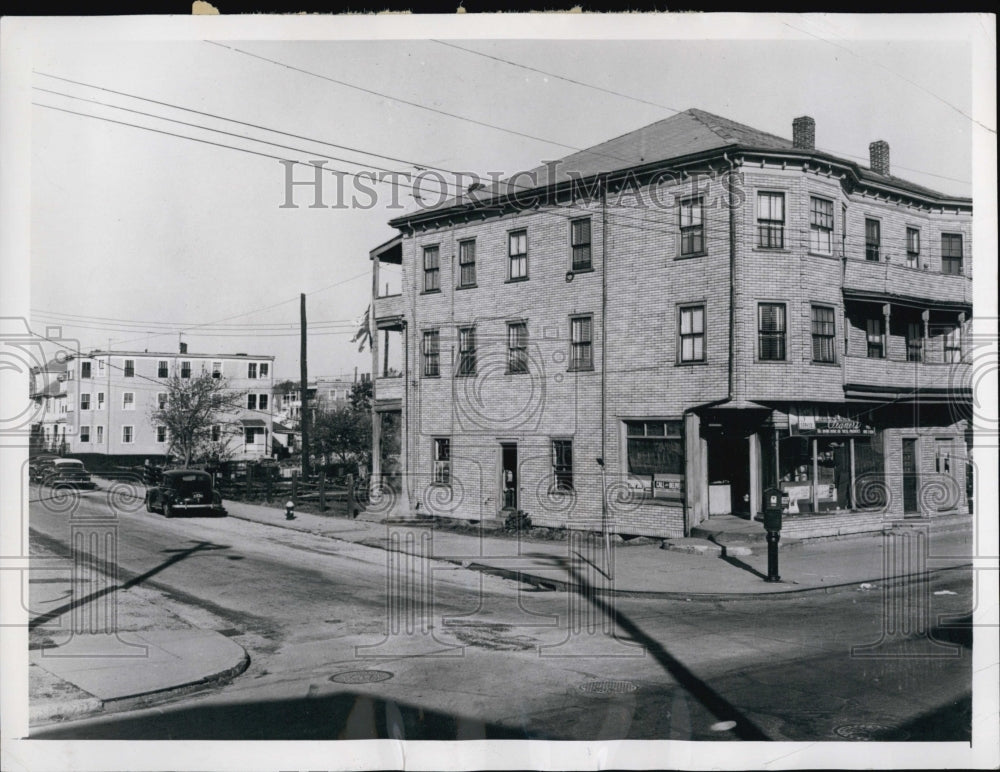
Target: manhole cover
[
  {"x": 870, "y": 732},
  {"x": 607, "y": 687},
  {"x": 361, "y": 676}
]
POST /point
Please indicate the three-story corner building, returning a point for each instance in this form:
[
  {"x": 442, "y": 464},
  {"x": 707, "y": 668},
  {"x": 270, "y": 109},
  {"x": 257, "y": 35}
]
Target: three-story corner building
[
  {"x": 656, "y": 330},
  {"x": 111, "y": 396}
]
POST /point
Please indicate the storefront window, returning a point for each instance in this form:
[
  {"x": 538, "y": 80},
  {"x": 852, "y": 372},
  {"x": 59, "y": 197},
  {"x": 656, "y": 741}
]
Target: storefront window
[
  {"x": 656, "y": 457},
  {"x": 869, "y": 474}
]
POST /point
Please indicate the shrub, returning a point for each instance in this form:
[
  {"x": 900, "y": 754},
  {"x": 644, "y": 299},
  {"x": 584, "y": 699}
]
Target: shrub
[{"x": 517, "y": 521}]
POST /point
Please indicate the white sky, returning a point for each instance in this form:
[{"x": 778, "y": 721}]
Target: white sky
[{"x": 167, "y": 233}]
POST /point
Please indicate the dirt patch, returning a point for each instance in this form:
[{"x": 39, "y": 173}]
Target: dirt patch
[{"x": 494, "y": 637}]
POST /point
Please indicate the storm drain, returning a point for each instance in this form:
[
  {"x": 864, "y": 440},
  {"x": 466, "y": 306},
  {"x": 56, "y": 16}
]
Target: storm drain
[
  {"x": 870, "y": 732},
  {"x": 361, "y": 676},
  {"x": 607, "y": 687}
]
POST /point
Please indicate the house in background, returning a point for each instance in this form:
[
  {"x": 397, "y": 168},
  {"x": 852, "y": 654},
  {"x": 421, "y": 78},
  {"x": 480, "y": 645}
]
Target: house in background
[
  {"x": 657, "y": 329},
  {"x": 48, "y": 392}
]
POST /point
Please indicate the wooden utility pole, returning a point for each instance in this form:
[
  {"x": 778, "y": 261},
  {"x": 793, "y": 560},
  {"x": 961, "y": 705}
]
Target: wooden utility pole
[{"x": 304, "y": 375}]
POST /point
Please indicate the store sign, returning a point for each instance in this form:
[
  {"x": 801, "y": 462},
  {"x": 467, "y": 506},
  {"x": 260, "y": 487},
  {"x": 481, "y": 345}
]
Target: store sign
[
  {"x": 805, "y": 421},
  {"x": 668, "y": 486}
]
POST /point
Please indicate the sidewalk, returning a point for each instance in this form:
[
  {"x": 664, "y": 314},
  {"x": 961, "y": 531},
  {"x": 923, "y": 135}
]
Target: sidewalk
[
  {"x": 686, "y": 568},
  {"x": 75, "y": 672}
]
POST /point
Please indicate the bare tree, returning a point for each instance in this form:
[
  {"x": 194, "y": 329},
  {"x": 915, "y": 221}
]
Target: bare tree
[{"x": 194, "y": 406}]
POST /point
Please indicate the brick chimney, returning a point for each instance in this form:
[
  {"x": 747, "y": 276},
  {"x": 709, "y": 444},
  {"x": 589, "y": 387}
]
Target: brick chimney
[
  {"x": 879, "y": 154},
  {"x": 184, "y": 347},
  {"x": 804, "y": 133}
]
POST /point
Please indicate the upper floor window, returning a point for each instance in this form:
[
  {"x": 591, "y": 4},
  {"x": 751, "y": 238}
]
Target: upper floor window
[
  {"x": 442, "y": 461},
  {"x": 579, "y": 236},
  {"x": 562, "y": 464},
  {"x": 432, "y": 269},
  {"x": 466, "y": 351},
  {"x": 823, "y": 334},
  {"x": 912, "y": 248},
  {"x": 216, "y": 369},
  {"x": 161, "y": 400},
  {"x": 953, "y": 344},
  {"x": 432, "y": 353},
  {"x": 251, "y": 401},
  {"x": 262, "y": 401},
  {"x": 84, "y": 434},
  {"x": 85, "y": 401},
  {"x": 518, "y": 254},
  {"x": 163, "y": 369},
  {"x": 875, "y": 332},
  {"x": 517, "y": 347},
  {"x": 128, "y": 400},
  {"x": 85, "y": 369},
  {"x": 873, "y": 240},
  {"x": 914, "y": 342},
  {"x": 951, "y": 253},
  {"x": 127, "y": 435},
  {"x": 251, "y": 369},
  {"x": 771, "y": 331},
  {"x": 820, "y": 225},
  {"x": 467, "y": 263},
  {"x": 185, "y": 369},
  {"x": 692, "y": 334},
  {"x": 129, "y": 368},
  {"x": 771, "y": 220},
  {"x": 581, "y": 343},
  {"x": 216, "y": 432},
  {"x": 161, "y": 433},
  {"x": 100, "y": 400},
  {"x": 264, "y": 369},
  {"x": 692, "y": 226}
]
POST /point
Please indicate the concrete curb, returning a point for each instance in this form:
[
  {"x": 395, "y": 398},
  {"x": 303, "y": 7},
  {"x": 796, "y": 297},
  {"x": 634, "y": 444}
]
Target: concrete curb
[{"x": 559, "y": 585}]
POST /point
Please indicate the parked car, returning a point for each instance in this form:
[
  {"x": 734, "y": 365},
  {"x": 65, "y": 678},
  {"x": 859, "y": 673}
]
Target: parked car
[
  {"x": 182, "y": 491},
  {"x": 64, "y": 473},
  {"x": 39, "y": 465}
]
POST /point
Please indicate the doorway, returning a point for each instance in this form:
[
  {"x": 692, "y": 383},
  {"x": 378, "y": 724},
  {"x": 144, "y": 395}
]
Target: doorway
[
  {"x": 729, "y": 473},
  {"x": 910, "y": 476},
  {"x": 508, "y": 475}
]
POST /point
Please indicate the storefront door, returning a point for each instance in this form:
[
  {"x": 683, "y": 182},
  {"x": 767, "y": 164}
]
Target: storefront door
[
  {"x": 508, "y": 475},
  {"x": 909, "y": 476}
]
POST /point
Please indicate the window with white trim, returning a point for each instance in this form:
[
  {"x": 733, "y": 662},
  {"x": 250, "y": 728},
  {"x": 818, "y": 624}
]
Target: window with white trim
[
  {"x": 770, "y": 220},
  {"x": 127, "y": 433},
  {"x": 692, "y": 333},
  {"x": 128, "y": 400},
  {"x": 820, "y": 225},
  {"x": 517, "y": 252},
  {"x": 441, "y": 449}
]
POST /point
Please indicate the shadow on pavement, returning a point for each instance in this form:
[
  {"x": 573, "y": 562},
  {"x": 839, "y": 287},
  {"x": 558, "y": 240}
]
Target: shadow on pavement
[{"x": 341, "y": 716}]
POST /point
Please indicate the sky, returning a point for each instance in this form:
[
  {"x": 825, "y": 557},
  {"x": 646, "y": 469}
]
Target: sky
[{"x": 137, "y": 236}]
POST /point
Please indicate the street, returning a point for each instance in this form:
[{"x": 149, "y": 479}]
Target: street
[{"x": 470, "y": 655}]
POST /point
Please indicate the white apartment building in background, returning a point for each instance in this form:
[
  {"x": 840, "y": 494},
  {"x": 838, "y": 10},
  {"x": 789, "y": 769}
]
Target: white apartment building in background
[{"x": 111, "y": 395}]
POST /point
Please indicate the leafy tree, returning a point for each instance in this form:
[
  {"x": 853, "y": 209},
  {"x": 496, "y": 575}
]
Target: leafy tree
[
  {"x": 194, "y": 405},
  {"x": 286, "y": 387},
  {"x": 344, "y": 434},
  {"x": 361, "y": 396}
]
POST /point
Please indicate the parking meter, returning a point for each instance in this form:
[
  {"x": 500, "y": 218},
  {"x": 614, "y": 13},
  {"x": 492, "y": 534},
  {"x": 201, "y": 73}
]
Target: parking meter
[{"x": 772, "y": 524}]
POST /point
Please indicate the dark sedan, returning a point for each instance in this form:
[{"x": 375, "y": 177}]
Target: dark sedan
[{"x": 184, "y": 491}]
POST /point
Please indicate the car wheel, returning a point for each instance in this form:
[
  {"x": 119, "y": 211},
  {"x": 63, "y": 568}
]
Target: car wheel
[
  {"x": 149, "y": 504},
  {"x": 168, "y": 511}
]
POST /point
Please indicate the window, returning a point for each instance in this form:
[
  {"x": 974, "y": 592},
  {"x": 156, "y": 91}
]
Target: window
[
  {"x": 432, "y": 353},
  {"x": 161, "y": 401},
  {"x": 84, "y": 434},
  {"x": 251, "y": 401},
  {"x": 216, "y": 432},
  {"x": 467, "y": 263},
  {"x": 216, "y": 369},
  {"x": 161, "y": 433},
  {"x": 100, "y": 435},
  {"x": 581, "y": 343},
  {"x": 692, "y": 226},
  {"x": 873, "y": 240},
  {"x": 185, "y": 369},
  {"x": 85, "y": 401},
  {"x": 162, "y": 369},
  {"x": 127, "y": 435},
  {"x": 953, "y": 345},
  {"x": 129, "y": 368},
  {"x": 655, "y": 451},
  {"x": 250, "y": 435},
  {"x": 518, "y": 252},
  {"x": 85, "y": 369},
  {"x": 562, "y": 464},
  {"x": 100, "y": 365},
  {"x": 517, "y": 347},
  {"x": 914, "y": 342},
  {"x": 432, "y": 269},
  {"x": 579, "y": 237},
  {"x": 264, "y": 369},
  {"x": 820, "y": 225},
  {"x": 442, "y": 461},
  {"x": 466, "y": 350},
  {"x": 912, "y": 248},
  {"x": 262, "y": 401},
  {"x": 943, "y": 455},
  {"x": 823, "y": 334},
  {"x": 951, "y": 253},
  {"x": 771, "y": 220},
  {"x": 692, "y": 332},
  {"x": 100, "y": 400},
  {"x": 771, "y": 331},
  {"x": 251, "y": 369},
  {"x": 876, "y": 337},
  {"x": 128, "y": 400}
]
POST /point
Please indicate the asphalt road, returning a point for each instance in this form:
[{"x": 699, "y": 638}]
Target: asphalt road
[{"x": 466, "y": 656}]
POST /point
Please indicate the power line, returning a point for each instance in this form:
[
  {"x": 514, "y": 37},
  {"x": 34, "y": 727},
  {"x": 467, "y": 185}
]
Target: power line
[{"x": 175, "y": 325}]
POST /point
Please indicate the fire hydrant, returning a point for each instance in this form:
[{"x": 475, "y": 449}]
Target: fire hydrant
[{"x": 289, "y": 510}]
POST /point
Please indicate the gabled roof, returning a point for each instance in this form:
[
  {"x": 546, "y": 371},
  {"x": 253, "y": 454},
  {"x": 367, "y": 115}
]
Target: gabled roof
[{"x": 687, "y": 134}]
